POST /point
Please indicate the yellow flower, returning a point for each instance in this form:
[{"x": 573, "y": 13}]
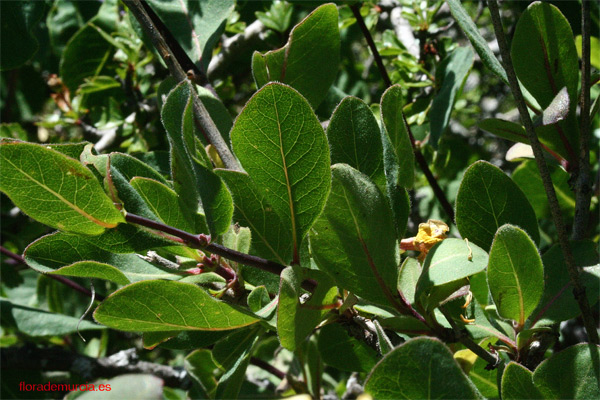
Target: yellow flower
[{"x": 430, "y": 233}]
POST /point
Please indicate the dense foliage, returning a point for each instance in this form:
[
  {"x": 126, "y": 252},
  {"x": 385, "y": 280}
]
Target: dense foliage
[{"x": 330, "y": 200}]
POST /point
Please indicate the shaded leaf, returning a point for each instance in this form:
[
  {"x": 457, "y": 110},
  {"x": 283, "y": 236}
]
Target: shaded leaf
[
  {"x": 354, "y": 138},
  {"x": 453, "y": 72},
  {"x": 200, "y": 365},
  {"x": 55, "y": 189},
  {"x": 570, "y": 374},
  {"x": 227, "y": 350},
  {"x": 515, "y": 274},
  {"x": 477, "y": 41},
  {"x": 414, "y": 371},
  {"x": 162, "y": 305},
  {"x": 282, "y": 146},
  {"x": 231, "y": 382},
  {"x": 488, "y": 199},
  {"x": 309, "y": 61},
  {"x": 18, "y": 19},
  {"x": 517, "y": 383},
  {"x": 354, "y": 240},
  {"x": 36, "y": 322},
  {"x": 344, "y": 352}
]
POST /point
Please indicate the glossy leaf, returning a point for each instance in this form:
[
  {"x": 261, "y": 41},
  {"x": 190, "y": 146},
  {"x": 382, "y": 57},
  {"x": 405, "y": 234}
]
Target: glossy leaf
[
  {"x": 558, "y": 303},
  {"x": 270, "y": 237},
  {"x": 354, "y": 138},
  {"x": 391, "y": 114},
  {"x": 162, "y": 305},
  {"x": 354, "y": 240},
  {"x": 296, "y": 319},
  {"x": 517, "y": 383},
  {"x": 454, "y": 70},
  {"x": 18, "y": 20},
  {"x": 72, "y": 255},
  {"x": 36, "y": 322},
  {"x": 195, "y": 25},
  {"x": 344, "y": 352},
  {"x": 445, "y": 269},
  {"x": 570, "y": 374},
  {"x": 477, "y": 41},
  {"x": 309, "y": 61},
  {"x": 282, "y": 146},
  {"x": 488, "y": 199},
  {"x": 55, "y": 189},
  {"x": 421, "y": 368},
  {"x": 515, "y": 274}
]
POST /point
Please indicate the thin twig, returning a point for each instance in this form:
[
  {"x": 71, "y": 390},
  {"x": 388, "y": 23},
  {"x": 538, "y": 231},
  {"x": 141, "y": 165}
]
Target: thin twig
[
  {"x": 200, "y": 112},
  {"x": 202, "y": 242},
  {"x": 579, "y": 289},
  {"x": 267, "y": 367},
  {"x": 492, "y": 360},
  {"x": 361, "y": 23},
  {"x": 439, "y": 193},
  {"x": 583, "y": 190},
  {"x": 73, "y": 285}
]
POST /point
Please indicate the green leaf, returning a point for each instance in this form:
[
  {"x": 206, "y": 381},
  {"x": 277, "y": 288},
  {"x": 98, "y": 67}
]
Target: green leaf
[
  {"x": 282, "y": 146},
  {"x": 178, "y": 120},
  {"x": 344, "y": 352},
  {"x": 570, "y": 374},
  {"x": 296, "y": 319},
  {"x": 354, "y": 240},
  {"x": 395, "y": 129},
  {"x": 355, "y": 138},
  {"x": 453, "y": 73},
  {"x": 545, "y": 60},
  {"x": 594, "y": 50},
  {"x": 182, "y": 340},
  {"x": 72, "y": 255},
  {"x": 517, "y": 383},
  {"x": 13, "y": 130},
  {"x": 558, "y": 303},
  {"x": 485, "y": 379},
  {"x": 216, "y": 200},
  {"x": 231, "y": 382},
  {"x": 130, "y": 167},
  {"x": 445, "y": 268},
  {"x": 195, "y": 25},
  {"x": 258, "y": 298},
  {"x": 200, "y": 365},
  {"x": 36, "y": 322},
  {"x": 278, "y": 17},
  {"x": 544, "y": 53},
  {"x": 87, "y": 52},
  {"x": 271, "y": 238},
  {"x": 527, "y": 177},
  {"x": 162, "y": 305},
  {"x": 477, "y": 41},
  {"x": 515, "y": 274},
  {"x": 488, "y": 199},
  {"x": 405, "y": 324},
  {"x": 18, "y": 19},
  {"x": 163, "y": 202},
  {"x": 227, "y": 350},
  {"x": 126, "y": 386},
  {"x": 309, "y": 61},
  {"x": 421, "y": 368},
  {"x": 408, "y": 276},
  {"x": 55, "y": 190}
]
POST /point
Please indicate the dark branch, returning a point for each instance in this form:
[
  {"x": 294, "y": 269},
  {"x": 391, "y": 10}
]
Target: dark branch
[
  {"x": 73, "y": 285},
  {"x": 579, "y": 289},
  {"x": 583, "y": 190},
  {"x": 34, "y": 358},
  {"x": 208, "y": 125}
]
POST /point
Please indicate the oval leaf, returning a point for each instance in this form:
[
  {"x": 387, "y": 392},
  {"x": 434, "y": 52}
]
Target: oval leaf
[
  {"x": 354, "y": 240},
  {"x": 162, "y": 305},
  {"x": 421, "y": 368},
  {"x": 515, "y": 274},
  {"x": 309, "y": 61},
  {"x": 355, "y": 139},
  {"x": 517, "y": 383},
  {"x": 570, "y": 374},
  {"x": 282, "y": 146},
  {"x": 488, "y": 199},
  {"x": 55, "y": 189}
]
